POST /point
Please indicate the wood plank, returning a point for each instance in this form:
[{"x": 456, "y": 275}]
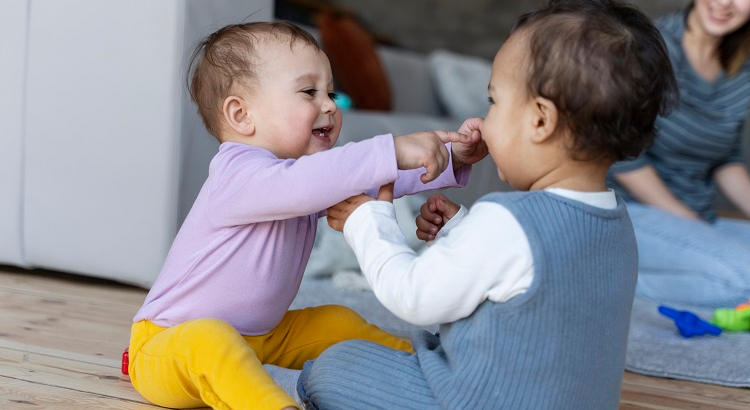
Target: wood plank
[
  {"x": 56, "y": 371},
  {"x": 20, "y": 394},
  {"x": 649, "y": 400},
  {"x": 75, "y": 324},
  {"x": 684, "y": 388},
  {"x": 70, "y": 286},
  {"x": 60, "y": 353},
  {"x": 61, "y": 338}
]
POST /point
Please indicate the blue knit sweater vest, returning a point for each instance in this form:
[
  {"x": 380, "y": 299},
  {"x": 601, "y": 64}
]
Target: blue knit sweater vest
[{"x": 561, "y": 344}]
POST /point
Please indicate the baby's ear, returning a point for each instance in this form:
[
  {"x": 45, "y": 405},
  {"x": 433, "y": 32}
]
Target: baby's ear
[
  {"x": 544, "y": 117},
  {"x": 237, "y": 116}
]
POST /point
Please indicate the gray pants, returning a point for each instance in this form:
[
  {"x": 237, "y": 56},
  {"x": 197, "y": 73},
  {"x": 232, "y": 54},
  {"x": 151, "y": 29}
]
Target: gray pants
[
  {"x": 286, "y": 378},
  {"x": 362, "y": 375}
]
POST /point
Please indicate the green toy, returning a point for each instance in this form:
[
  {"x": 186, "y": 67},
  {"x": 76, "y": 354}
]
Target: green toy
[{"x": 732, "y": 319}]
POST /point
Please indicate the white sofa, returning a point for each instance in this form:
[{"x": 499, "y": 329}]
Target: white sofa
[{"x": 102, "y": 150}]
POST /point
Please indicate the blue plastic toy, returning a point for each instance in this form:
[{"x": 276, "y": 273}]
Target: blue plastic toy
[
  {"x": 343, "y": 101},
  {"x": 688, "y": 323}
]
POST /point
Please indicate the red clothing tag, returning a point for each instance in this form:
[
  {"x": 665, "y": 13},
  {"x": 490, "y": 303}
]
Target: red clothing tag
[{"x": 125, "y": 361}]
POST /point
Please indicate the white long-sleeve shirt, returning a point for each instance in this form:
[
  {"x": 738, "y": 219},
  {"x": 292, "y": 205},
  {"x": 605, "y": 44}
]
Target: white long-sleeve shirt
[{"x": 478, "y": 255}]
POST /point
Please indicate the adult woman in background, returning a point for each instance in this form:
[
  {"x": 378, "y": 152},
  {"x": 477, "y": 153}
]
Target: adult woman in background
[{"x": 688, "y": 254}]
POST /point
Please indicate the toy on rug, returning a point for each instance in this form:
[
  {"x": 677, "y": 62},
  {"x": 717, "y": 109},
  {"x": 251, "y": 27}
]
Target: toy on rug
[
  {"x": 688, "y": 323},
  {"x": 736, "y": 319}
]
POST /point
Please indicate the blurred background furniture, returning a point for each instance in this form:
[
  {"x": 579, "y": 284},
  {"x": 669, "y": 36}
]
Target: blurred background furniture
[{"x": 102, "y": 152}]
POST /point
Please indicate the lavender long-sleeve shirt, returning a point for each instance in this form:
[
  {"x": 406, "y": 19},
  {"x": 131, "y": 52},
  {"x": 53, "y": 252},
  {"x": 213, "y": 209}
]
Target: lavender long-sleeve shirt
[{"x": 240, "y": 254}]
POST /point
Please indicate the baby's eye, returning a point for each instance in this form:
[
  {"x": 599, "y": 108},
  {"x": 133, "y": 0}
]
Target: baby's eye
[
  {"x": 311, "y": 92},
  {"x": 333, "y": 96},
  {"x": 490, "y": 100}
]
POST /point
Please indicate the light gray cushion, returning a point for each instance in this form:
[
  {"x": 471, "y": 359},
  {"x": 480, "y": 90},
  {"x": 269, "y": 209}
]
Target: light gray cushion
[
  {"x": 461, "y": 82},
  {"x": 411, "y": 84}
]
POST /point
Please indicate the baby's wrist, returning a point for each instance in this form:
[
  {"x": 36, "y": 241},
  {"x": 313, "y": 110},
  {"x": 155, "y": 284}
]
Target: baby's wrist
[
  {"x": 363, "y": 214},
  {"x": 457, "y": 164}
]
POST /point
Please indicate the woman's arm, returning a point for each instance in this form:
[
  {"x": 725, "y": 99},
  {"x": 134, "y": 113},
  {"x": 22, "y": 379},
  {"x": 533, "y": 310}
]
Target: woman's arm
[
  {"x": 647, "y": 187},
  {"x": 734, "y": 181}
]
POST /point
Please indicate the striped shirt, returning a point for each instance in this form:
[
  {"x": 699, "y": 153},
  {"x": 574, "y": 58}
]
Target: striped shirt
[{"x": 700, "y": 135}]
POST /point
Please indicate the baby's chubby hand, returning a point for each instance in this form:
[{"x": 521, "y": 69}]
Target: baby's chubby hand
[
  {"x": 339, "y": 213},
  {"x": 433, "y": 215},
  {"x": 472, "y": 150},
  {"x": 427, "y": 149}
]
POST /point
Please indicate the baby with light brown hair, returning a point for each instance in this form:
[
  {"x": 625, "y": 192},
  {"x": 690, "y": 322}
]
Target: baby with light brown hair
[{"x": 219, "y": 308}]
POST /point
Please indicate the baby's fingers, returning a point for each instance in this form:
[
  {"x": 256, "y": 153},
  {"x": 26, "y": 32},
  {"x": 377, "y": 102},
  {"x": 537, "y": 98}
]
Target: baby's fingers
[
  {"x": 471, "y": 125},
  {"x": 424, "y": 236},
  {"x": 432, "y": 172},
  {"x": 356, "y": 199},
  {"x": 335, "y": 223},
  {"x": 426, "y": 226},
  {"x": 337, "y": 211},
  {"x": 427, "y": 211},
  {"x": 436, "y": 163},
  {"x": 452, "y": 136}
]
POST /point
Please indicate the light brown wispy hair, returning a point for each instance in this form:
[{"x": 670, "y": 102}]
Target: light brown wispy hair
[{"x": 227, "y": 58}]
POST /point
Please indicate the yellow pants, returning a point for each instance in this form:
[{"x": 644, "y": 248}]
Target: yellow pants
[{"x": 206, "y": 362}]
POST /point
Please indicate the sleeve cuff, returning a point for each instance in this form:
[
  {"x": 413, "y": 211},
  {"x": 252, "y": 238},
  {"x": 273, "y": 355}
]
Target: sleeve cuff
[
  {"x": 453, "y": 222},
  {"x": 388, "y": 166},
  {"x": 358, "y": 220},
  {"x": 461, "y": 175}
]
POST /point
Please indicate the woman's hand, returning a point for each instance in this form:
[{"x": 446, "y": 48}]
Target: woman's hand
[{"x": 734, "y": 182}]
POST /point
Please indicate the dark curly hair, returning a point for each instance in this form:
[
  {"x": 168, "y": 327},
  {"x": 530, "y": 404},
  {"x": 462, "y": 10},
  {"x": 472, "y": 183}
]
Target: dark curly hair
[{"x": 605, "y": 67}]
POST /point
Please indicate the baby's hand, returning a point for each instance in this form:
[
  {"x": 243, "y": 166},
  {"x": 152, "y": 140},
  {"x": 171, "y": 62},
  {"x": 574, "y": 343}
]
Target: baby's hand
[
  {"x": 472, "y": 151},
  {"x": 339, "y": 213},
  {"x": 433, "y": 215},
  {"x": 426, "y": 149}
]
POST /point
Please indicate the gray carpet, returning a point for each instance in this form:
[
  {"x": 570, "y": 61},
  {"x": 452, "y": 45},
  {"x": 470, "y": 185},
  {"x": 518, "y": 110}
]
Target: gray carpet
[
  {"x": 654, "y": 347},
  {"x": 314, "y": 292}
]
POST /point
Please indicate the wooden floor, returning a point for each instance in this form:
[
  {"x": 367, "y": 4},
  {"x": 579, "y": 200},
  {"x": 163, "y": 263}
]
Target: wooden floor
[{"x": 61, "y": 338}]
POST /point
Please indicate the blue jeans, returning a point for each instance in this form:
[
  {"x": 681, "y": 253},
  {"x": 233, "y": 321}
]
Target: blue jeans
[{"x": 683, "y": 261}]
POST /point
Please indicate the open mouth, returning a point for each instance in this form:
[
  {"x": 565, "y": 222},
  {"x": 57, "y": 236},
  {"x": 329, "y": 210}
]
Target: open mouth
[{"x": 322, "y": 132}]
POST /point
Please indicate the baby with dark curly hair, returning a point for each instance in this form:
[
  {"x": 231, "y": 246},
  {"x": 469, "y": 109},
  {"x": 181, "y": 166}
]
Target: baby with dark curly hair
[{"x": 532, "y": 289}]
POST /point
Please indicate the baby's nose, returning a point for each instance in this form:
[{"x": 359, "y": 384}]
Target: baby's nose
[{"x": 328, "y": 106}]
